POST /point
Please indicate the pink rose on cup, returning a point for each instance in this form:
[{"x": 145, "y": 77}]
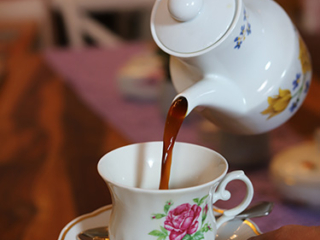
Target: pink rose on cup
[{"x": 182, "y": 220}]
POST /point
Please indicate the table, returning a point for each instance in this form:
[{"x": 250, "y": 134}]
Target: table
[
  {"x": 50, "y": 142},
  {"x": 141, "y": 121},
  {"x": 53, "y": 132}
]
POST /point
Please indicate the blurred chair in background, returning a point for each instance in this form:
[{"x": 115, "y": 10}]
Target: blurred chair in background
[
  {"x": 29, "y": 10},
  {"x": 78, "y": 21},
  {"x": 311, "y": 16},
  {"x": 304, "y": 13}
]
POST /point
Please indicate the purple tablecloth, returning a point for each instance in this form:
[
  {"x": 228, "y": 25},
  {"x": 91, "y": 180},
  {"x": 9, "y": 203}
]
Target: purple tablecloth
[{"x": 92, "y": 74}]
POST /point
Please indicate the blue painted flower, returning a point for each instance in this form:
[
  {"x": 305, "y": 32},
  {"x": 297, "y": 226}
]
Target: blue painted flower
[
  {"x": 293, "y": 106},
  {"x": 296, "y": 81},
  {"x": 243, "y": 28},
  {"x": 248, "y": 28},
  {"x": 245, "y": 15},
  {"x": 307, "y": 87},
  {"x": 238, "y": 45}
]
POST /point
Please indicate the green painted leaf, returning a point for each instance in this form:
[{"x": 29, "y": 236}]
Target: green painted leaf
[
  {"x": 156, "y": 233},
  {"x": 158, "y": 216},
  {"x": 196, "y": 200},
  {"x": 202, "y": 200},
  {"x": 187, "y": 237},
  {"x": 204, "y": 216},
  {"x": 206, "y": 228},
  {"x": 164, "y": 230},
  {"x": 198, "y": 235},
  {"x": 167, "y": 206}
]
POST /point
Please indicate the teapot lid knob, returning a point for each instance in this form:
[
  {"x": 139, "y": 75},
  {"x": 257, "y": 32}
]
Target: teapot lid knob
[
  {"x": 183, "y": 27},
  {"x": 184, "y": 10}
]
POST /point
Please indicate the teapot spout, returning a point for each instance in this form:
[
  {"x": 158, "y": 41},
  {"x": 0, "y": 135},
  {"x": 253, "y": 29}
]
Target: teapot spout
[{"x": 220, "y": 95}]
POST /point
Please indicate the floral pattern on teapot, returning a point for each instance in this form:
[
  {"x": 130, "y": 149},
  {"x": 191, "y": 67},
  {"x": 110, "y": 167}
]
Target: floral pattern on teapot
[
  {"x": 245, "y": 31},
  {"x": 183, "y": 222},
  {"x": 300, "y": 85}
]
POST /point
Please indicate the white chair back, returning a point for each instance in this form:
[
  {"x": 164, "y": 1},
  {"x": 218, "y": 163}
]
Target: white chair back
[{"x": 78, "y": 22}]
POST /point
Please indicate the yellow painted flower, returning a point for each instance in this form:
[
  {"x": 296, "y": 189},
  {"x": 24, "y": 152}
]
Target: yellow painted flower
[
  {"x": 304, "y": 57},
  {"x": 278, "y": 103}
]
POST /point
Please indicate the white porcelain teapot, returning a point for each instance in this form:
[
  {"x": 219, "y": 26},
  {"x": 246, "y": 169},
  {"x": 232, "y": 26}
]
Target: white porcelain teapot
[{"x": 242, "y": 60}]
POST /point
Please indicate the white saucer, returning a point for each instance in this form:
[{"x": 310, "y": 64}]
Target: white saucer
[{"x": 235, "y": 229}]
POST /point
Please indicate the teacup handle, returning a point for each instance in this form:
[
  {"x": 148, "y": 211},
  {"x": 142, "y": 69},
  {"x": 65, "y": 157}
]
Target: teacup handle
[{"x": 222, "y": 194}]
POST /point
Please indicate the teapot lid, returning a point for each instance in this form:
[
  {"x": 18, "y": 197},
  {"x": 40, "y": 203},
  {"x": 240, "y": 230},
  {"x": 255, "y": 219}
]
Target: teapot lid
[{"x": 188, "y": 26}]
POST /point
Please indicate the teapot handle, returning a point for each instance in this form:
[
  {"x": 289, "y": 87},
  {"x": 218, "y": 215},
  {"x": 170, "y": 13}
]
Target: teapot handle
[{"x": 222, "y": 194}]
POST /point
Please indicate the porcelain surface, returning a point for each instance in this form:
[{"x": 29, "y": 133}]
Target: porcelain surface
[
  {"x": 198, "y": 179},
  {"x": 235, "y": 229},
  {"x": 252, "y": 78}
]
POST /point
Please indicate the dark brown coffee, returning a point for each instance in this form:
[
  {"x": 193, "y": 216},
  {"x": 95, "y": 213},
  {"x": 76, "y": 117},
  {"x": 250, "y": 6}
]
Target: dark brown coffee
[{"x": 175, "y": 117}]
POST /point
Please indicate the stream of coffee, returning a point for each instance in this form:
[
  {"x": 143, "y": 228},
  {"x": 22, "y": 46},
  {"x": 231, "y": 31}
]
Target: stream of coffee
[{"x": 175, "y": 117}]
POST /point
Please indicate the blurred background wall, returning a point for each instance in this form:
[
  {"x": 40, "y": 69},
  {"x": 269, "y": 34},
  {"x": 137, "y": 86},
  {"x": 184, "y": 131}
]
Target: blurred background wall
[
  {"x": 129, "y": 19},
  {"x": 66, "y": 22}
]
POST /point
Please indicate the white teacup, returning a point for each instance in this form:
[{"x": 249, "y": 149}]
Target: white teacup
[{"x": 143, "y": 212}]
